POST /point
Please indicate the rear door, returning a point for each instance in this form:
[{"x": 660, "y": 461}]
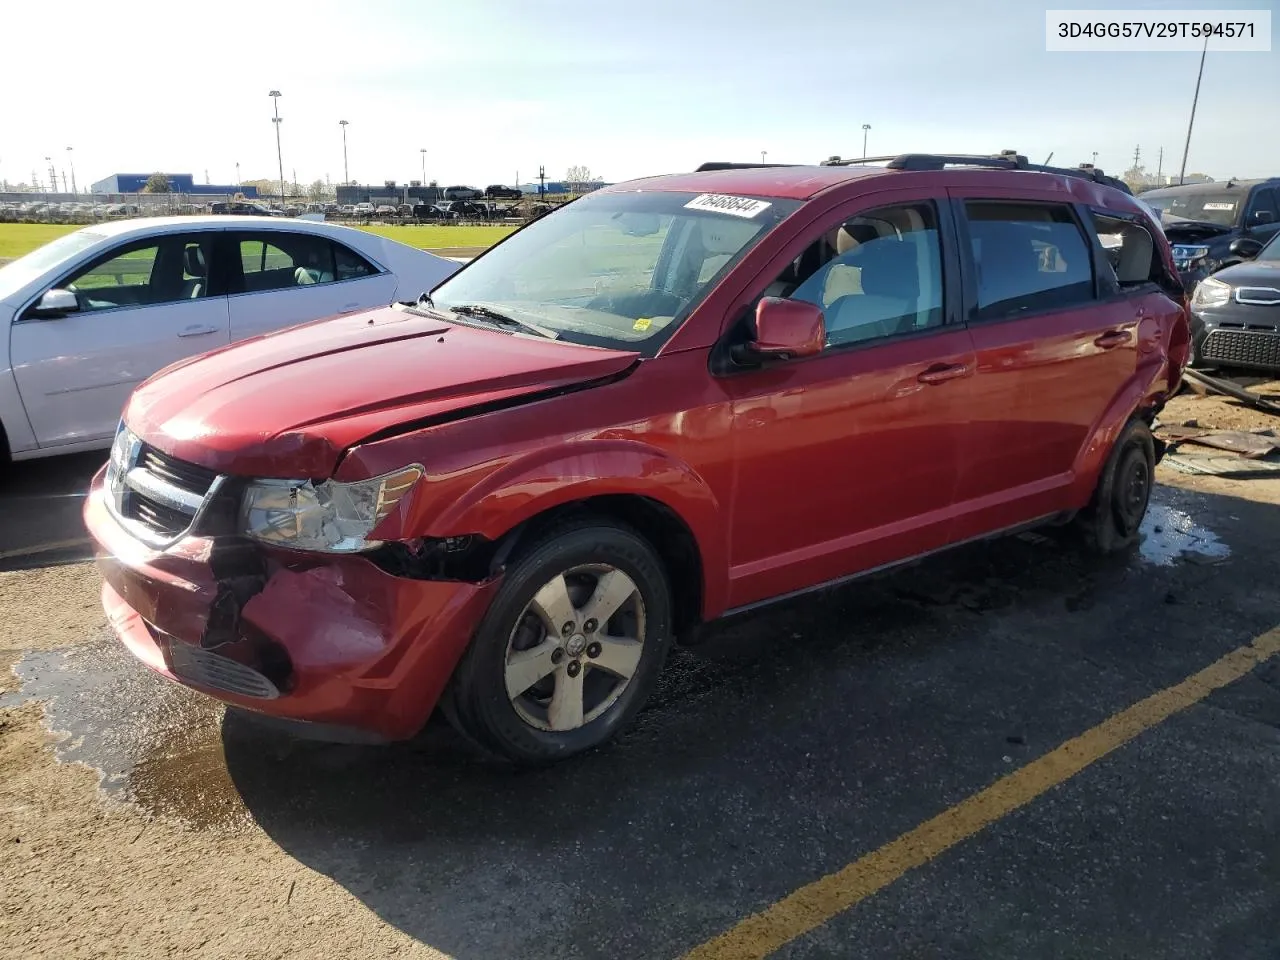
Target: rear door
[
  {"x": 142, "y": 306},
  {"x": 279, "y": 278},
  {"x": 1053, "y": 350}
]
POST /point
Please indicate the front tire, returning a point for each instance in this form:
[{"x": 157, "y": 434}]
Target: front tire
[
  {"x": 1112, "y": 521},
  {"x": 571, "y": 647}
]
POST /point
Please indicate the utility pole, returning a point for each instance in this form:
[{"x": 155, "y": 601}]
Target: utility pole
[
  {"x": 542, "y": 182},
  {"x": 64, "y": 181},
  {"x": 346, "y": 174},
  {"x": 866, "y": 128},
  {"x": 275, "y": 100},
  {"x": 1137, "y": 156},
  {"x": 72, "y": 161},
  {"x": 1160, "y": 166},
  {"x": 1182, "y": 174}
]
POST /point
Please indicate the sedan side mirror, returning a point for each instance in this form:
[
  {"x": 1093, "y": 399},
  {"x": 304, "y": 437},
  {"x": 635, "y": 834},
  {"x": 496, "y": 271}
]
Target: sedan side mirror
[
  {"x": 785, "y": 330},
  {"x": 1244, "y": 248},
  {"x": 56, "y": 303}
]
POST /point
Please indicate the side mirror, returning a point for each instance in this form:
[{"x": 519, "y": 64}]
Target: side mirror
[
  {"x": 785, "y": 330},
  {"x": 1244, "y": 248},
  {"x": 56, "y": 303}
]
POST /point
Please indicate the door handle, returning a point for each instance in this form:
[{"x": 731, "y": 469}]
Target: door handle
[
  {"x": 1113, "y": 338},
  {"x": 941, "y": 373},
  {"x": 196, "y": 331}
]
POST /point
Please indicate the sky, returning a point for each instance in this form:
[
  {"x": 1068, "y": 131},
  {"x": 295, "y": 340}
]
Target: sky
[{"x": 494, "y": 88}]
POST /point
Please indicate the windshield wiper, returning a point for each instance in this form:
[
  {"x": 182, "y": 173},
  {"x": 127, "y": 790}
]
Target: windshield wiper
[{"x": 501, "y": 319}]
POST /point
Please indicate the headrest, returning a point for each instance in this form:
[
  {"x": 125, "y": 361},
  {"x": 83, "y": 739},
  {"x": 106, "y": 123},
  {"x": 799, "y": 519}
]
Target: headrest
[
  {"x": 193, "y": 260},
  {"x": 727, "y": 237},
  {"x": 853, "y": 235},
  {"x": 889, "y": 269}
]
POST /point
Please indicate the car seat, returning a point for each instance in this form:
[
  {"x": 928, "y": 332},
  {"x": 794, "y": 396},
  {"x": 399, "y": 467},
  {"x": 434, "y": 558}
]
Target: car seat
[{"x": 194, "y": 266}]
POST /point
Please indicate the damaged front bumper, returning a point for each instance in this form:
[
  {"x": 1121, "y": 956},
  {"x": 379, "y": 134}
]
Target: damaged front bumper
[{"x": 333, "y": 641}]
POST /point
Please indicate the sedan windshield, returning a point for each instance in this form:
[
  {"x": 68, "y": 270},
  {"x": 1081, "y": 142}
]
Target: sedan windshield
[
  {"x": 25, "y": 269},
  {"x": 621, "y": 270},
  {"x": 1217, "y": 206}
]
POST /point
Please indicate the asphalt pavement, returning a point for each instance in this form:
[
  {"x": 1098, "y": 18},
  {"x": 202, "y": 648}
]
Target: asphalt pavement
[{"x": 794, "y": 742}]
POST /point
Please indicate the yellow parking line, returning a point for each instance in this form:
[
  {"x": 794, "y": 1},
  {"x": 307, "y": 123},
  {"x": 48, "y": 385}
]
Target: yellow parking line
[{"x": 816, "y": 903}]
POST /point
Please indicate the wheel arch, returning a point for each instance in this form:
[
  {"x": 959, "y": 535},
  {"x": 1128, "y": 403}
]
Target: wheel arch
[{"x": 658, "y": 523}]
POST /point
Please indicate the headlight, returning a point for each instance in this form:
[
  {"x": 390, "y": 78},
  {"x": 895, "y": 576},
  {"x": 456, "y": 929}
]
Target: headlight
[
  {"x": 121, "y": 447},
  {"x": 1211, "y": 293},
  {"x": 1181, "y": 252},
  {"x": 331, "y": 516}
]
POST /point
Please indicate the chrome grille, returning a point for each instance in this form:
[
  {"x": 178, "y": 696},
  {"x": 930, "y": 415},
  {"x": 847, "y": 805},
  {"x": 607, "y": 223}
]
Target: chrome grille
[
  {"x": 186, "y": 475},
  {"x": 1246, "y": 349},
  {"x": 158, "y": 498}
]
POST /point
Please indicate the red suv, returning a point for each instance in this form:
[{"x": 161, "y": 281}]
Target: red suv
[{"x": 670, "y": 400}]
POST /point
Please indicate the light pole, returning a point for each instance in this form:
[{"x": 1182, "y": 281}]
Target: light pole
[
  {"x": 275, "y": 100},
  {"x": 346, "y": 174},
  {"x": 72, "y": 161},
  {"x": 1095, "y": 158},
  {"x": 423, "y": 151},
  {"x": 53, "y": 176},
  {"x": 866, "y": 128},
  {"x": 238, "y": 183},
  {"x": 763, "y": 154},
  {"x": 1182, "y": 174}
]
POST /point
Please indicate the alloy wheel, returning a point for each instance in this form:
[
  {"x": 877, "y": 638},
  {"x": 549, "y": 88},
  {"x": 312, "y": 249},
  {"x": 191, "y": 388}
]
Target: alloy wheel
[{"x": 575, "y": 647}]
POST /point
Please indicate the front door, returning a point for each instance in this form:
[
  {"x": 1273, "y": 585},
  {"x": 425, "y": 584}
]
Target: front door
[
  {"x": 280, "y": 278},
  {"x": 848, "y": 461},
  {"x": 141, "y": 307}
]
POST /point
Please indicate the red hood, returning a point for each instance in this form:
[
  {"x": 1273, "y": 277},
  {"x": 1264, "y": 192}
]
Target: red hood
[{"x": 289, "y": 403}]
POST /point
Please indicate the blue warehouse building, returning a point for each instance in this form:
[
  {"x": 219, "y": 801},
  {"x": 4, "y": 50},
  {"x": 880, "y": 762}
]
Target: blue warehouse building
[{"x": 178, "y": 183}]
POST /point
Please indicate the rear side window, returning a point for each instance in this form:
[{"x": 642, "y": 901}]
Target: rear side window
[
  {"x": 350, "y": 265},
  {"x": 278, "y": 260},
  {"x": 1029, "y": 257},
  {"x": 1130, "y": 251}
]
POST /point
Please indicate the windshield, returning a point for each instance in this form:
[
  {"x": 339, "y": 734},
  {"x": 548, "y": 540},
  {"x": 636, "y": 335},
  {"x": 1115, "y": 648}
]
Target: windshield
[
  {"x": 22, "y": 271},
  {"x": 620, "y": 270},
  {"x": 1217, "y": 206},
  {"x": 1271, "y": 252}
]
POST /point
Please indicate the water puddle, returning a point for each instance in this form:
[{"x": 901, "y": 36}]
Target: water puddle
[
  {"x": 152, "y": 742},
  {"x": 1170, "y": 535}
]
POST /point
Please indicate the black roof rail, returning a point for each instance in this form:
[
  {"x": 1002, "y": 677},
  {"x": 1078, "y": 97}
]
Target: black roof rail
[
  {"x": 725, "y": 165},
  {"x": 1005, "y": 160}
]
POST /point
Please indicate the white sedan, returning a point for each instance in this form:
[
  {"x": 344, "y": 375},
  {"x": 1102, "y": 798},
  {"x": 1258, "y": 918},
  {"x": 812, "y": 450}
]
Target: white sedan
[{"x": 87, "y": 317}]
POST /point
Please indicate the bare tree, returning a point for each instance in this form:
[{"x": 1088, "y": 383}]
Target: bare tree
[{"x": 578, "y": 174}]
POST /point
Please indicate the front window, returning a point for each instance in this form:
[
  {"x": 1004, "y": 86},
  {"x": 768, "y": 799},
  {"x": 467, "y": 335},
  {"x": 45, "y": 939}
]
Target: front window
[
  {"x": 1212, "y": 206},
  {"x": 619, "y": 270}
]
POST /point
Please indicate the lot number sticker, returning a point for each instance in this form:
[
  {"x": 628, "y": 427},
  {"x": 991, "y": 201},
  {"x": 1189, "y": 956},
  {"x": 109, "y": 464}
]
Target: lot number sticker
[
  {"x": 734, "y": 206},
  {"x": 1219, "y": 206}
]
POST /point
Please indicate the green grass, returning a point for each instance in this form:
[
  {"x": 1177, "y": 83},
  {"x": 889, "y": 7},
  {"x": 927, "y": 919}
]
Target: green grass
[
  {"x": 433, "y": 236},
  {"x": 17, "y": 239}
]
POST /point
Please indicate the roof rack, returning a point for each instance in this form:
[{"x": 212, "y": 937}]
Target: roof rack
[{"x": 1005, "y": 160}]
